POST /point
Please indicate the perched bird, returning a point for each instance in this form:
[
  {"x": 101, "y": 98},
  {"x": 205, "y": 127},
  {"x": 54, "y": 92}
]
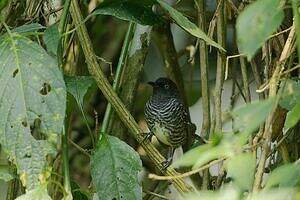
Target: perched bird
[{"x": 166, "y": 115}]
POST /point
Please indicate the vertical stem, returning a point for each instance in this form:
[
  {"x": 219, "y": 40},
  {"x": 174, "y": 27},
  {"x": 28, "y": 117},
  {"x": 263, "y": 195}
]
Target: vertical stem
[
  {"x": 65, "y": 158},
  {"x": 61, "y": 28},
  {"x": 117, "y": 79},
  {"x": 65, "y": 147},
  {"x": 203, "y": 60},
  {"x": 204, "y": 71},
  {"x": 221, "y": 29},
  {"x": 245, "y": 80}
]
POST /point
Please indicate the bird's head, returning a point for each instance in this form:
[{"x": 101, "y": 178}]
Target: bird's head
[{"x": 164, "y": 87}]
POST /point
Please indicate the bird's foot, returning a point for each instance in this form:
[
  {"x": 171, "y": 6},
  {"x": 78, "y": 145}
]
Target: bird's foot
[
  {"x": 165, "y": 164},
  {"x": 147, "y": 137}
]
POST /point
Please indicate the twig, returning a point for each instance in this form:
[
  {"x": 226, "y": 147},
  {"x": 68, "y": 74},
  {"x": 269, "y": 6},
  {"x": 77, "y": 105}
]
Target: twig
[
  {"x": 157, "y": 195},
  {"x": 79, "y": 148},
  {"x": 195, "y": 171}
]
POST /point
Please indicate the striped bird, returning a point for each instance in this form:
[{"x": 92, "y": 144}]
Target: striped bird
[{"x": 167, "y": 116}]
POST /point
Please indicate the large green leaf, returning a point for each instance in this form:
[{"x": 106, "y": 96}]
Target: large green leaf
[
  {"x": 32, "y": 97},
  {"x": 256, "y": 23},
  {"x": 187, "y": 25},
  {"x": 250, "y": 116},
  {"x": 284, "y": 176},
  {"x": 241, "y": 169},
  {"x": 114, "y": 169},
  {"x": 78, "y": 86},
  {"x": 130, "y": 10}
]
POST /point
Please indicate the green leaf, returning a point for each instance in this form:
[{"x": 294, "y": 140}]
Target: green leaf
[
  {"x": 190, "y": 157},
  {"x": 39, "y": 193},
  {"x": 256, "y": 23},
  {"x": 292, "y": 117},
  {"x": 5, "y": 173},
  {"x": 250, "y": 116},
  {"x": 27, "y": 28},
  {"x": 225, "y": 193},
  {"x": 114, "y": 169},
  {"x": 284, "y": 176},
  {"x": 130, "y": 10},
  {"x": 275, "y": 194},
  {"x": 51, "y": 39},
  {"x": 241, "y": 169},
  {"x": 78, "y": 86},
  {"x": 187, "y": 25},
  {"x": 290, "y": 95},
  {"x": 32, "y": 98}
]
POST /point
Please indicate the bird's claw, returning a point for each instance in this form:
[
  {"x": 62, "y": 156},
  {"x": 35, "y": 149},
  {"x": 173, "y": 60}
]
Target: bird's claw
[
  {"x": 165, "y": 164},
  {"x": 147, "y": 137}
]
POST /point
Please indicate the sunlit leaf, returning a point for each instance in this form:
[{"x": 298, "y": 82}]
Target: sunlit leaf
[
  {"x": 250, "y": 116},
  {"x": 284, "y": 176},
  {"x": 33, "y": 97},
  {"x": 256, "y": 23},
  {"x": 226, "y": 193},
  {"x": 241, "y": 169},
  {"x": 130, "y": 10},
  {"x": 114, "y": 169},
  {"x": 275, "y": 194},
  {"x": 51, "y": 39},
  {"x": 190, "y": 157},
  {"x": 187, "y": 25},
  {"x": 39, "y": 193}
]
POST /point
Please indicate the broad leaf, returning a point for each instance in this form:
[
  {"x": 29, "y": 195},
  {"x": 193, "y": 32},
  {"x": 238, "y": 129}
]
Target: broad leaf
[
  {"x": 114, "y": 169},
  {"x": 256, "y": 23},
  {"x": 241, "y": 169},
  {"x": 284, "y": 176},
  {"x": 130, "y": 10},
  {"x": 293, "y": 117},
  {"x": 187, "y": 25},
  {"x": 78, "y": 86},
  {"x": 51, "y": 39},
  {"x": 275, "y": 194},
  {"x": 39, "y": 193},
  {"x": 250, "y": 116},
  {"x": 32, "y": 98}
]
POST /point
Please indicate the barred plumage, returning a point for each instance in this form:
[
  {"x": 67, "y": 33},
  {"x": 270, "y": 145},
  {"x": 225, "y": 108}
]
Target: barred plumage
[{"x": 166, "y": 114}]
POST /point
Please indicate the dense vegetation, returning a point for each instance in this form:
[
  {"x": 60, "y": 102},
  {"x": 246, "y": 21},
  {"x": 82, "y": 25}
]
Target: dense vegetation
[{"x": 73, "y": 88}]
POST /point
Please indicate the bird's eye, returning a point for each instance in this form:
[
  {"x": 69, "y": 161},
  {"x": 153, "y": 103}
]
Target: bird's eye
[{"x": 166, "y": 86}]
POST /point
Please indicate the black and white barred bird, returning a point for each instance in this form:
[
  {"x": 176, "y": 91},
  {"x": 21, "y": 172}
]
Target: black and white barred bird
[{"x": 166, "y": 115}]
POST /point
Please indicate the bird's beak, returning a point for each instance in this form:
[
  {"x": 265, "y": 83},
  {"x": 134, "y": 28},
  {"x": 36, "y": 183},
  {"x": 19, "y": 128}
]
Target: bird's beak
[{"x": 151, "y": 83}]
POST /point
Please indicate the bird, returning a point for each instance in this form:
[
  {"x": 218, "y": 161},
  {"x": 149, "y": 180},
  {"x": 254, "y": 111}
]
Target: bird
[{"x": 166, "y": 116}]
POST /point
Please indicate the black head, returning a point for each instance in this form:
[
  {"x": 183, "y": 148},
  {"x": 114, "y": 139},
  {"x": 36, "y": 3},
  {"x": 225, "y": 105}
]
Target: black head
[{"x": 164, "y": 87}]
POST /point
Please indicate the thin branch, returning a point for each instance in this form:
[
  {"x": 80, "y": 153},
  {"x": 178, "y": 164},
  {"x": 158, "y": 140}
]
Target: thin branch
[{"x": 195, "y": 171}]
